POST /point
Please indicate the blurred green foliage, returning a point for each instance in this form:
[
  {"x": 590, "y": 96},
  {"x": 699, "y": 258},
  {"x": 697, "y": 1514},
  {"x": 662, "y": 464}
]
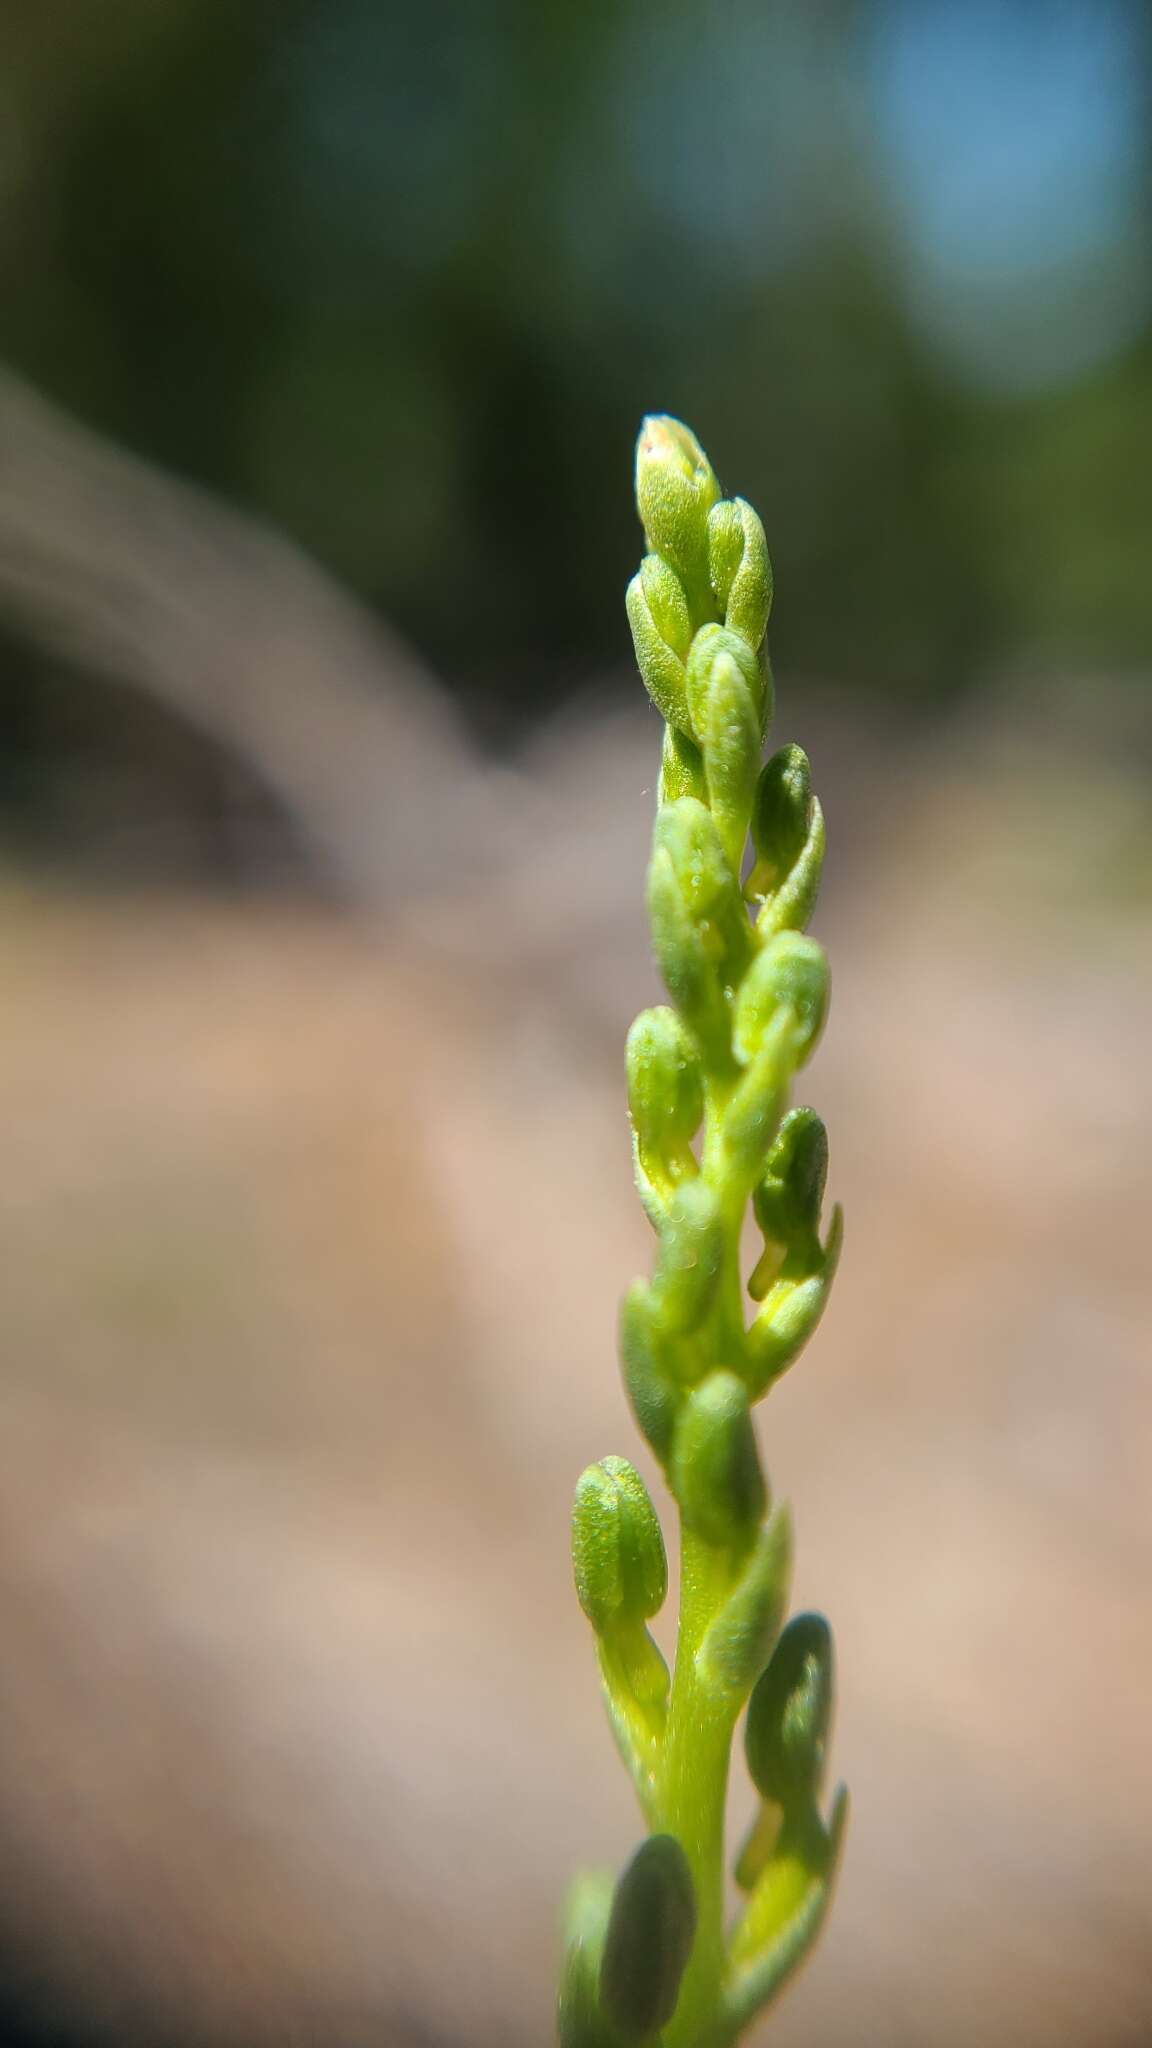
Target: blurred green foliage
[{"x": 398, "y": 276}]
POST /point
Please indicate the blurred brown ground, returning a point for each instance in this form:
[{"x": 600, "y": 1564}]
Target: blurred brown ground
[{"x": 314, "y": 1231}]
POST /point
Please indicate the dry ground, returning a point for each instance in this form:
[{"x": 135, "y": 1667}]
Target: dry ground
[{"x": 313, "y": 1235}]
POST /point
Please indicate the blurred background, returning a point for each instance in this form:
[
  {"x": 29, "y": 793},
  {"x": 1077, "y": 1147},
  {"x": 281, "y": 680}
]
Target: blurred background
[{"x": 325, "y": 784}]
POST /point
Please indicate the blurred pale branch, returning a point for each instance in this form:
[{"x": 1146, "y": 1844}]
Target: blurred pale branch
[{"x": 137, "y": 576}]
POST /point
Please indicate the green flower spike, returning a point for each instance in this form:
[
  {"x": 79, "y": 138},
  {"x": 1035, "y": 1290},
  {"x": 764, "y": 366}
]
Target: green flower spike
[{"x": 652, "y": 1959}]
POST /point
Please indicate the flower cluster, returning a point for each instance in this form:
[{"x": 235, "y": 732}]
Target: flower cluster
[{"x": 650, "y": 1958}]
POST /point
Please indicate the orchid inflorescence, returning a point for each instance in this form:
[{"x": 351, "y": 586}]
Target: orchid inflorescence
[{"x": 650, "y": 1958}]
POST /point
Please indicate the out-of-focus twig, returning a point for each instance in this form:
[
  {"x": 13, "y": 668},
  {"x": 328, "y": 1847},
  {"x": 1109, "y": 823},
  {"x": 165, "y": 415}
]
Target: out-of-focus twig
[{"x": 143, "y": 578}]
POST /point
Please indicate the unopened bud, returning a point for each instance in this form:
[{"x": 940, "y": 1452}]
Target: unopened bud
[
  {"x": 681, "y": 768},
  {"x": 716, "y": 1472},
  {"x": 790, "y": 1196},
  {"x": 687, "y": 832},
  {"x": 790, "y": 1713},
  {"x": 665, "y": 1090},
  {"x": 617, "y": 1548},
  {"x": 790, "y": 973},
  {"x": 676, "y": 488},
  {"x": 651, "y": 1929},
  {"x": 709, "y": 643},
  {"x": 691, "y": 1256},
  {"x": 660, "y": 666},
  {"x": 789, "y": 1314},
  {"x": 648, "y": 1378},
  {"x": 788, "y": 834},
  {"x": 580, "y": 2019},
  {"x": 739, "y": 567},
  {"x": 728, "y": 728},
  {"x": 687, "y": 964}
]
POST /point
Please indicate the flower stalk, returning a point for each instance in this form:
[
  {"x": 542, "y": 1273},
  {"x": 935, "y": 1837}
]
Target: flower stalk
[{"x": 737, "y": 853}]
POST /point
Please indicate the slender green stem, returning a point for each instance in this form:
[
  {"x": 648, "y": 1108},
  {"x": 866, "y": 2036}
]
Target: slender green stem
[{"x": 693, "y": 1793}]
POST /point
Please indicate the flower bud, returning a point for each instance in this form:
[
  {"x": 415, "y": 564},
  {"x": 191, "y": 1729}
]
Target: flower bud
[
  {"x": 790, "y": 1713},
  {"x": 580, "y": 2021},
  {"x": 716, "y": 1473},
  {"x": 617, "y": 1548},
  {"x": 687, "y": 832},
  {"x": 788, "y": 834},
  {"x": 709, "y": 643},
  {"x": 729, "y": 733},
  {"x": 687, "y": 964},
  {"x": 681, "y": 768},
  {"x": 691, "y": 1256},
  {"x": 665, "y": 1091},
  {"x": 790, "y": 973},
  {"x": 660, "y": 666},
  {"x": 790, "y": 1312},
  {"x": 651, "y": 1929},
  {"x": 676, "y": 489},
  {"x": 790, "y": 1196},
  {"x": 648, "y": 1379},
  {"x": 740, "y": 1636},
  {"x": 754, "y": 1109},
  {"x": 739, "y": 568}
]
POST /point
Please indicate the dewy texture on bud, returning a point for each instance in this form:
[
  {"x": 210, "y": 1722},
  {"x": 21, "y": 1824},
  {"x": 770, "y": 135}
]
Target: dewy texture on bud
[{"x": 710, "y": 1076}]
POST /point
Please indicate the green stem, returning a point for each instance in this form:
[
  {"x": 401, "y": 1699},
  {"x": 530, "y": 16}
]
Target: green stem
[{"x": 693, "y": 1791}]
